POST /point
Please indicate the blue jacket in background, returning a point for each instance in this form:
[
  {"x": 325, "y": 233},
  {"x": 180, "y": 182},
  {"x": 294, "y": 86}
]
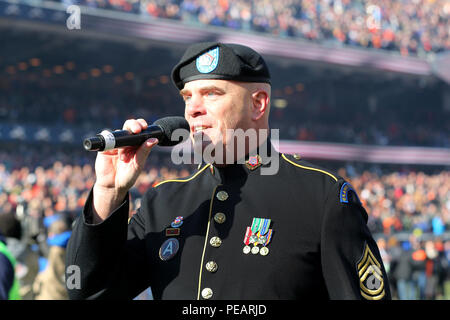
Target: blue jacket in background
[{"x": 6, "y": 274}]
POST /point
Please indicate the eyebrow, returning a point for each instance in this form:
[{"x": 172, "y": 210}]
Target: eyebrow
[
  {"x": 184, "y": 92},
  {"x": 202, "y": 89}
]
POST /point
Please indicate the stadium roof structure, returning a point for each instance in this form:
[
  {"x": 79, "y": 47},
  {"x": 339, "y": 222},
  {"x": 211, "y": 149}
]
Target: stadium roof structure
[
  {"x": 176, "y": 34},
  {"x": 367, "y": 153}
]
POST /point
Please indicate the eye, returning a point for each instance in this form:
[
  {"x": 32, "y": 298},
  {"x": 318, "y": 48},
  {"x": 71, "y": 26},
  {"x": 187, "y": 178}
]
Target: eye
[{"x": 212, "y": 94}]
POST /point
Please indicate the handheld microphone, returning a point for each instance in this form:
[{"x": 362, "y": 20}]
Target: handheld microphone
[{"x": 162, "y": 129}]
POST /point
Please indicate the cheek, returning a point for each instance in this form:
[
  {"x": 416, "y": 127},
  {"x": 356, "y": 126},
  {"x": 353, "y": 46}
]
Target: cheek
[
  {"x": 219, "y": 116},
  {"x": 226, "y": 121},
  {"x": 229, "y": 115},
  {"x": 238, "y": 117}
]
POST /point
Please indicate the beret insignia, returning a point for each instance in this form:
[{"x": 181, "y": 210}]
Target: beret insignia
[{"x": 208, "y": 61}]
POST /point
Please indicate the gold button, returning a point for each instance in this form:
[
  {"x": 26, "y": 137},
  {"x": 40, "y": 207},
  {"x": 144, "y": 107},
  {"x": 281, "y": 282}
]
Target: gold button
[
  {"x": 220, "y": 217},
  {"x": 297, "y": 156},
  {"x": 222, "y": 195},
  {"x": 211, "y": 266},
  {"x": 215, "y": 242},
  {"x": 207, "y": 293}
]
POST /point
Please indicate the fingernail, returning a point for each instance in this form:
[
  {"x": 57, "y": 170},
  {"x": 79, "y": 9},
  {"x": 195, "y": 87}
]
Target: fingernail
[{"x": 153, "y": 140}]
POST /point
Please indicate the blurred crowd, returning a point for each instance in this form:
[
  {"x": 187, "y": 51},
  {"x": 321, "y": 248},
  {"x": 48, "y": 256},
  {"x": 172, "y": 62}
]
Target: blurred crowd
[
  {"x": 409, "y": 214},
  {"x": 22, "y": 102},
  {"x": 410, "y": 27},
  {"x": 413, "y": 202},
  {"x": 310, "y": 116},
  {"x": 417, "y": 269}
]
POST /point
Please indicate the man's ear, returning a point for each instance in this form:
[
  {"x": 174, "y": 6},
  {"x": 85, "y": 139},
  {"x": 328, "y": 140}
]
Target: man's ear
[{"x": 260, "y": 104}]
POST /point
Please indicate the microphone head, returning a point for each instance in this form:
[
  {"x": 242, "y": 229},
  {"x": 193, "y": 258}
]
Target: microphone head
[{"x": 169, "y": 125}]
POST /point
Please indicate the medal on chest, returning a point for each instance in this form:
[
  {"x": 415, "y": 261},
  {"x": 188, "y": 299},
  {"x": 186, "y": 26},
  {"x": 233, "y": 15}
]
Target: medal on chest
[{"x": 257, "y": 237}]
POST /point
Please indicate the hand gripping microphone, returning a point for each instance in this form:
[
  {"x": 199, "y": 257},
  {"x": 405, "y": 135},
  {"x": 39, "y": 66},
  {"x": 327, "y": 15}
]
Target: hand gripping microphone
[{"x": 162, "y": 129}]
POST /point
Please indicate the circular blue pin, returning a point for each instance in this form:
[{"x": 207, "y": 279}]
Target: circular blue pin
[
  {"x": 176, "y": 224},
  {"x": 168, "y": 249}
]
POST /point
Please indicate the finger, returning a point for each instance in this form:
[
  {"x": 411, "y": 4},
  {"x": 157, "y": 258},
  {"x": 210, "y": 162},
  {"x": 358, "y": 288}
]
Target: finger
[
  {"x": 112, "y": 152},
  {"x": 144, "y": 150},
  {"x": 132, "y": 125},
  {"x": 143, "y": 123}
]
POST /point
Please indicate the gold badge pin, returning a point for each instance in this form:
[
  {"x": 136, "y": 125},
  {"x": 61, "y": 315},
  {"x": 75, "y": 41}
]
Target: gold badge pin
[{"x": 370, "y": 276}]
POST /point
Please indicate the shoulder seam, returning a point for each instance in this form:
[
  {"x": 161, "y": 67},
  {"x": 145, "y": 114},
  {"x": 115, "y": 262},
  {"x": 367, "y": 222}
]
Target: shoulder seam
[
  {"x": 308, "y": 168},
  {"x": 184, "y": 180}
]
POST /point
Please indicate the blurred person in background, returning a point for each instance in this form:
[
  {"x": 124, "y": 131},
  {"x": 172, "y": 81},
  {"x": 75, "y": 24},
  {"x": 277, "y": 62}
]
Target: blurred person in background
[
  {"x": 432, "y": 270},
  {"x": 50, "y": 283},
  {"x": 402, "y": 273},
  {"x": 9, "y": 283},
  {"x": 395, "y": 252},
  {"x": 385, "y": 255},
  {"x": 419, "y": 257},
  {"x": 442, "y": 269},
  {"x": 446, "y": 262}
]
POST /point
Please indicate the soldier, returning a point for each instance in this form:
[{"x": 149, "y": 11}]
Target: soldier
[{"x": 228, "y": 231}]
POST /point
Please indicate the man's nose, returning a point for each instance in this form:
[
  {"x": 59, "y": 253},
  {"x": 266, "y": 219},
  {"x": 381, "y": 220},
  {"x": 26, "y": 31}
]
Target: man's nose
[{"x": 195, "y": 107}]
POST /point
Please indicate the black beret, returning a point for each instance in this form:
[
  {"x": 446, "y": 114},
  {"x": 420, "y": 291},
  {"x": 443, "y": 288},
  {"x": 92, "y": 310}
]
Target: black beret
[{"x": 215, "y": 60}]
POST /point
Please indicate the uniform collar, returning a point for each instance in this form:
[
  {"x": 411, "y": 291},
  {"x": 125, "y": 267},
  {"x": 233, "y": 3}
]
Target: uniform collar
[{"x": 255, "y": 159}]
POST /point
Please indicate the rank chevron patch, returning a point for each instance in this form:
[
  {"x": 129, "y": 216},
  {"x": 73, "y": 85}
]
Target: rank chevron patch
[{"x": 371, "y": 280}]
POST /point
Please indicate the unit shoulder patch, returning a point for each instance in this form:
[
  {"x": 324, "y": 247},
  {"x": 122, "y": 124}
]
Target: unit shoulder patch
[
  {"x": 371, "y": 280},
  {"x": 348, "y": 194}
]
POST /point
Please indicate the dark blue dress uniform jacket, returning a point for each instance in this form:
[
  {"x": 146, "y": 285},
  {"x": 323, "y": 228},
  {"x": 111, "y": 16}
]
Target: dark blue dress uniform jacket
[{"x": 321, "y": 247}]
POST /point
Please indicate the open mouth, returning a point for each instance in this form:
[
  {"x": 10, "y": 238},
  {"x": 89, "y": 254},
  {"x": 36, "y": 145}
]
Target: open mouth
[
  {"x": 197, "y": 129},
  {"x": 201, "y": 133}
]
